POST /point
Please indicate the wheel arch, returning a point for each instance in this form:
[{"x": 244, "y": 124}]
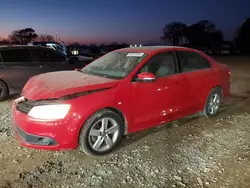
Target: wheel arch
[
  {"x": 113, "y": 109},
  {"x": 209, "y": 91},
  {"x": 218, "y": 87},
  {"x": 7, "y": 85},
  {"x": 221, "y": 88},
  {"x": 123, "y": 117}
]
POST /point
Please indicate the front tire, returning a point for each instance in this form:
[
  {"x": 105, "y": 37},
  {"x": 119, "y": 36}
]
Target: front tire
[
  {"x": 213, "y": 102},
  {"x": 4, "y": 92},
  {"x": 101, "y": 133}
]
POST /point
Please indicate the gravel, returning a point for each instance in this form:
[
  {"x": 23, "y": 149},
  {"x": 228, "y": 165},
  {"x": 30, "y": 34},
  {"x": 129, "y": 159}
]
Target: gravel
[
  {"x": 193, "y": 152},
  {"x": 5, "y": 118}
]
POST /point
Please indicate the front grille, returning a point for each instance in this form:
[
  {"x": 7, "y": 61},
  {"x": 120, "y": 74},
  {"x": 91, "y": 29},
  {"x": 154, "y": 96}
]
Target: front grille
[{"x": 24, "y": 106}]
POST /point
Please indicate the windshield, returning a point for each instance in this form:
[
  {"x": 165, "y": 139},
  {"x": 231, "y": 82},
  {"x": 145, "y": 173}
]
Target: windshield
[{"x": 116, "y": 65}]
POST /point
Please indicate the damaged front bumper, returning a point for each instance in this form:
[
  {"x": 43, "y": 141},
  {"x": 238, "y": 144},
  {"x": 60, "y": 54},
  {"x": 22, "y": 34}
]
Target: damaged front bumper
[{"x": 48, "y": 135}]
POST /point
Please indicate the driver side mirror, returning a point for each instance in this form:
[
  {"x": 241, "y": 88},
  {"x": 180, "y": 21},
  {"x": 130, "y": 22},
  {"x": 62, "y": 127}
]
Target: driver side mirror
[{"x": 146, "y": 77}]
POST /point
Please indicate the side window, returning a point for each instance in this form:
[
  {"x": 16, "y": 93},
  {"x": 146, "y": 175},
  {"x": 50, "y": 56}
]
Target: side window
[
  {"x": 56, "y": 57},
  {"x": 39, "y": 55},
  {"x": 161, "y": 65},
  {"x": 190, "y": 61},
  {"x": 43, "y": 55},
  {"x": 16, "y": 55}
]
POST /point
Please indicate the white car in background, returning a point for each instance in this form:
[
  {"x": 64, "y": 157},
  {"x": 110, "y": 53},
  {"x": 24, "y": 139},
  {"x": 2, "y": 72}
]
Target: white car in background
[{"x": 81, "y": 56}]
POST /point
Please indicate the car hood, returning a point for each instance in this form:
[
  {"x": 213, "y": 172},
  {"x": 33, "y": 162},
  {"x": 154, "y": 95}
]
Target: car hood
[{"x": 55, "y": 85}]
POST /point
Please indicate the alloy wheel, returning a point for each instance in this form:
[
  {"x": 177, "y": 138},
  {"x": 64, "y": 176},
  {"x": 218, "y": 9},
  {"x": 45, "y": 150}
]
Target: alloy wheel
[
  {"x": 214, "y": 104},
  {"x": 103, "y": 134}
]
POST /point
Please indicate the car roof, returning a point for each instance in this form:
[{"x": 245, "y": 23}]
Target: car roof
[
  {"x": 37, "y": 42},
  {"x": 151, "y": 49},
  {"x": 7, "y": 47}
]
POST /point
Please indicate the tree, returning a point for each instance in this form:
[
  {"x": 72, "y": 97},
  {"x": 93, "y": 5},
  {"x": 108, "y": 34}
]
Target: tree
[
  {"x": 174, "y": 32},
  {"x": 75, "y": 44},
  {"x": 23, "y": 36},
  {"x": 46, "y": 38},
  {"x": 243, "y": 37},
  {"x": 4, "y": 41},
  {"x": 203, "y": 33}
]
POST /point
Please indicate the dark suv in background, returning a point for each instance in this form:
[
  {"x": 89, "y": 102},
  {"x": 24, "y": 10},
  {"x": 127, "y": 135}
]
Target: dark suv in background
[{"x": 19, "y": 63}]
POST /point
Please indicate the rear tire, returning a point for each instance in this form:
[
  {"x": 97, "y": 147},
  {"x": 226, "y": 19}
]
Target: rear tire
[
  {"x": 4, "y": 91},
  {"x": 213, "y": 102},
  {"x": 101, "y": 133}
]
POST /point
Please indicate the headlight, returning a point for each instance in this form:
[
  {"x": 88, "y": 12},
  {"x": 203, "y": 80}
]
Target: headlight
[{"x": 50, "y": 112}]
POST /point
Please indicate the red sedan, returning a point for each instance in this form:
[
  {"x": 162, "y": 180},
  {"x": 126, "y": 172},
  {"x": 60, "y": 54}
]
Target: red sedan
[{"x": 122, "y": 92}]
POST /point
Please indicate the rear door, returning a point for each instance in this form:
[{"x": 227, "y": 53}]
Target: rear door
[
  {"x": 17, "y": 67},
  {"x": 197, "y": 74}
]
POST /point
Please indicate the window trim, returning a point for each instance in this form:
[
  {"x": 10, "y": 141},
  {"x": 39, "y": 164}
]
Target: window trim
[
  {"x": 133, "y": 80},
  {"x": 201, "y": 57},
  {"x": 179, "y": 66}
]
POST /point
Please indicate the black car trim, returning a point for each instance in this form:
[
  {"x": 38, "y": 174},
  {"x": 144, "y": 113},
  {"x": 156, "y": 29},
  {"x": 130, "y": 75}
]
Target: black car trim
[{"x": 35, "y": 139}]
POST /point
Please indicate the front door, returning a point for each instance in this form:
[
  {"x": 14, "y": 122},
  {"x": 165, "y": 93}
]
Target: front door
[
  {"x": 49, "y": 60},
  {"x": 159, "y": 101},
  {"x": 59, "y": 62}
]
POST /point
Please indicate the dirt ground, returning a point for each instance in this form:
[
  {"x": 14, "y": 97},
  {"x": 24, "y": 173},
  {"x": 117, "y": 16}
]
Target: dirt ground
[{"x": 192, "y": 152}]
